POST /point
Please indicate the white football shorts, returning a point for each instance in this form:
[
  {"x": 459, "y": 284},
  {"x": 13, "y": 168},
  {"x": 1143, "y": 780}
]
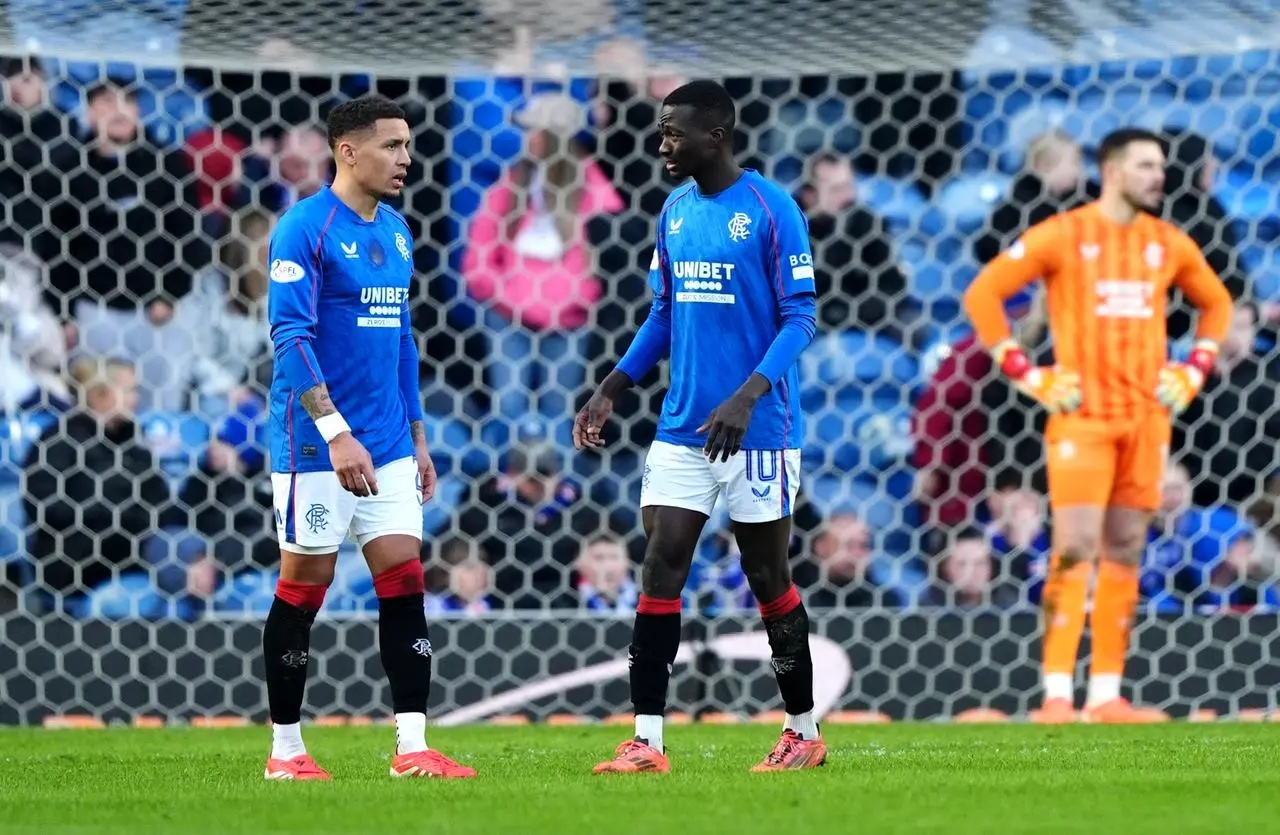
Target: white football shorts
[
  {"x": 759, "y": 485},
  {"x": 314, "y": 515}
]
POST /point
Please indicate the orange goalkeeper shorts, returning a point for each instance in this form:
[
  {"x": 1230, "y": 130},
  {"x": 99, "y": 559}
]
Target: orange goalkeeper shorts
[{"x": 1112, "y": 463}]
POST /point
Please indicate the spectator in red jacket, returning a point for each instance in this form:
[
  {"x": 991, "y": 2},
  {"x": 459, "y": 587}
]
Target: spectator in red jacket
[{"x": 969, "y": 423}]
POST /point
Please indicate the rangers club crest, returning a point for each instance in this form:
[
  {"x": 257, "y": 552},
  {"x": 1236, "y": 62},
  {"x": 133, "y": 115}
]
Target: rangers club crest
[
  {"x": 294, "y": 658},
  {"x": 739, "y": 226},
  {"x": 317, "y": 518},
  {"x": 402, "y": 244},
  {"x": 1154, "y": 255}
]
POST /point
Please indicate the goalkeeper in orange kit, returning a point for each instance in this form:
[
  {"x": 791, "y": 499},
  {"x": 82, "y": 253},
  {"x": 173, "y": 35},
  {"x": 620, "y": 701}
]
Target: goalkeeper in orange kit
[{"x": 1107, "y": 270}]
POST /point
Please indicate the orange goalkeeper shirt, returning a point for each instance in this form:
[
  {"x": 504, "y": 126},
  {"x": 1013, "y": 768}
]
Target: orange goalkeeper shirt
[{"x": 1107, "y": 286}]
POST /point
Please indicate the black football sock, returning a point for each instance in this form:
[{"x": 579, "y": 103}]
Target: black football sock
[
  {"x": 286, "y": 644},
  {"x": 787, "y": 624},
  {"x": 406, "y": 651},
  {"x": 655, "y": 640}
]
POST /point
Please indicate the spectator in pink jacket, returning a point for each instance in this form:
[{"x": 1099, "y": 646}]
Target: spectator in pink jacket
[{"x": 529, "y": 263}]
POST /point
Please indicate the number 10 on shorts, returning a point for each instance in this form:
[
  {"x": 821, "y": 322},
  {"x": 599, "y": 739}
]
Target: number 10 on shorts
[{"x": 761, "y": 465}]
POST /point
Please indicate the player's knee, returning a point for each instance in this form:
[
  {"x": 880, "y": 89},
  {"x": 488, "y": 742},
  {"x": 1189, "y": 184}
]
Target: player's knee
[
  {"x": 666, "y": 566},
  {"x": 1125, "y": 547},
  {"x": 1077, "y": 548},
  {"x": 311, "y": 570},
  {"x": 768, "y": 581}
]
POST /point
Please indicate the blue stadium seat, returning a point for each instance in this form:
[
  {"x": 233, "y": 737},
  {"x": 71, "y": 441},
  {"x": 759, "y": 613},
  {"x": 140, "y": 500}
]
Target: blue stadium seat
[
  {"x": 899, "y": 202},
  {"x": 169, "y": 109},
  {"x": 248, "y": 594},
  {"x": 865, "y": 497},
  {"x": 130, "y": 595},
  {"x": 176, "y": 439},
  {"x": 1007, "y": 138},
  {"x": 17, "y": 433},
  {"x": 1245, "y": 198},
  {"x": 452, "y": 447},
  {"x": 968, "y": 200},
  {"x": 851, "y": 357},
  {"x": 352, "y": 587},
  {"x": 451, "y": 491},
  {"x": 857, "y": 429},
  {"x": 13, "y": 522}
]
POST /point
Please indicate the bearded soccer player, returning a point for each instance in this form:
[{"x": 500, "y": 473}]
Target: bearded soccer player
[
  {"x": 348, "y": 446},
  {"x": 1107, "y": 270},
  {"x": 733, "y": 305}
]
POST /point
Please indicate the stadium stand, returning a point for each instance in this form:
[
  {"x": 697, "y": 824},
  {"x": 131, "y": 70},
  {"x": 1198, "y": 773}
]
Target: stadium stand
[{"x": 140, "y": 185}]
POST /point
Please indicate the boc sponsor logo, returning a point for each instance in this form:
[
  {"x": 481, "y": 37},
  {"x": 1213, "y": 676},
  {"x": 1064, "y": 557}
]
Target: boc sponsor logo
[{"x": 801, "y": 267}]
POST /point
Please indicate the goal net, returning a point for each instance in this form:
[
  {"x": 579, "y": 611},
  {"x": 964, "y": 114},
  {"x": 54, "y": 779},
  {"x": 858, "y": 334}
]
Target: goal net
[{"x": 149, "y": 147}]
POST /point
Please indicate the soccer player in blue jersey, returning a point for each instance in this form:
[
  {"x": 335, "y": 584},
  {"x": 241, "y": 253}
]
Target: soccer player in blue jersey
[
  {"x": 348, "y": 446},
  {"x": 734, "y": 299}
]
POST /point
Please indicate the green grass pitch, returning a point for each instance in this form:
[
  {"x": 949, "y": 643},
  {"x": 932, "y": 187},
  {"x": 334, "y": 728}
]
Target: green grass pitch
[{"x": 1175, "y": 778}]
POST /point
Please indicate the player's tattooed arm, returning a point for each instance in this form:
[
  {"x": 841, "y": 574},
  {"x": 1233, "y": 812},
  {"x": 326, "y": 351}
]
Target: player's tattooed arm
[
  {"x": 426, "y": 467},
  {"x": 317, "y": 402}
]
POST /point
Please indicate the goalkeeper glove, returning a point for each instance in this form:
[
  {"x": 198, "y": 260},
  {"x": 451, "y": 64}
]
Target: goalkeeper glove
[
  {"x": 1054, "y": 388},
  {"x": 1180, "y": 382}
]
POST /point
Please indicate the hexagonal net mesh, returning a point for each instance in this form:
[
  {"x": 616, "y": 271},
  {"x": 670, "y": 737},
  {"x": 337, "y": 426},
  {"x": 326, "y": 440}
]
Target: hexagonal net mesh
[
  {"x": 715, "y": 37},
  {"x": 141, "y": 183}
]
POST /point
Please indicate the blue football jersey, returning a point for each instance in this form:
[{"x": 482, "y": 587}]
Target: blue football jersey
[
  {"x": 725, "y": 267},
  {"x": 339, "y": 310}
]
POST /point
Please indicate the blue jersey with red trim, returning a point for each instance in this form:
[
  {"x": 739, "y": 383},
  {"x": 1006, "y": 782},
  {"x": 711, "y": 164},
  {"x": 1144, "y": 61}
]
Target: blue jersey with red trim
[
  {"x": 338, "y": 304},
  {"x": 726, "y": 269}
]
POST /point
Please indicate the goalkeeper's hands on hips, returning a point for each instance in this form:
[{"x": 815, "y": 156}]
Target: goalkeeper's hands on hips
[
  {"x": 1180, "y": 382},
  {"x": 1054, "y": 388}
]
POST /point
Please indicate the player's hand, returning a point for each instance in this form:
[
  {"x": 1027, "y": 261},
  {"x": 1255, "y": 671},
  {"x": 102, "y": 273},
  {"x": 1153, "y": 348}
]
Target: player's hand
[
  {"x": 353, "y": 465},
  {"x": 726, "y": 426},
  {"x": 1179, "y": 382},
  {"x": 1056, "y": 389},
  {"x": 426, "y": 473},
  {"x": 588, "y": 426}
]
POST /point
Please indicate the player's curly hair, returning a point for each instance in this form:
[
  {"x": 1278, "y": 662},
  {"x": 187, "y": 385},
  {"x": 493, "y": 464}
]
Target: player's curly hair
[
  {"x": 360, "y": 114},
  {"x": 712, "y": 101}
]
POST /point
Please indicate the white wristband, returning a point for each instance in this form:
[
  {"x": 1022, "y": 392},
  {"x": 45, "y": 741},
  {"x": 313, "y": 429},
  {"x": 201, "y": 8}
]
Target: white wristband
[{"x": 331, "y": 426}]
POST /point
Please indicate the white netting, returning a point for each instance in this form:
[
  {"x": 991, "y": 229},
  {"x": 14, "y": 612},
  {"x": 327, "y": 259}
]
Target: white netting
[
  {"x": 134, "y": 579},
  {"x": 723, "y": 37}
]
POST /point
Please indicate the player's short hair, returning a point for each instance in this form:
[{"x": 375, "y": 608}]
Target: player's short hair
[
  {"x": 360, "y": 114},
  {"x": 709, "y": 99},
  {"x": 603, "y": 539},
  {"x": 969, "y": 533},
  {"x": 1118, "y": 141},
  {"x": 1008, "y": 478},
  {"x": 14, "y": 67}
]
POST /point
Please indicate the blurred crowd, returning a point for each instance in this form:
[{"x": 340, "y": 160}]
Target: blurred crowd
[{"x": 135, "y": 354}]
